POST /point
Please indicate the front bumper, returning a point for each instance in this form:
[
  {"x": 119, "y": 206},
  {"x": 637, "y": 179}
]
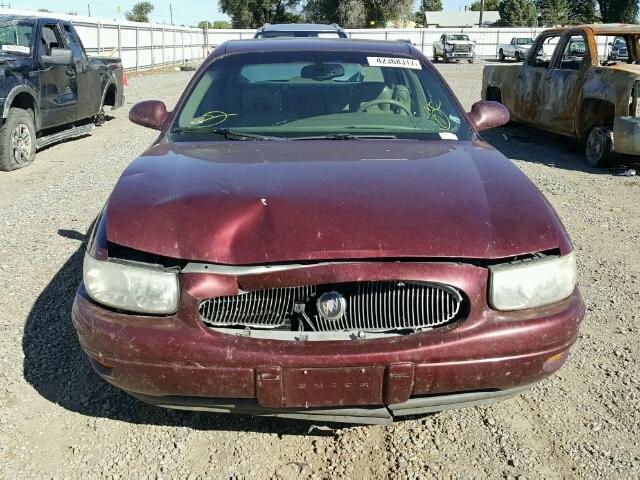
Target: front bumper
[
  {"x": 178, "y": 362},
  {"x": 455, "y": 54}
]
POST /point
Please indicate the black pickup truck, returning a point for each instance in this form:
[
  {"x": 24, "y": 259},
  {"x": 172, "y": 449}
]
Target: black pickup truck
[{"x": 50, "y": 90}]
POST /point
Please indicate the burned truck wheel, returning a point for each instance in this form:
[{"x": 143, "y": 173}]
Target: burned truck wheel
[
  {"x": 599, "y": 146},
  {"x": 501, "y": 55},
  {"x": 17, "y": 140}
]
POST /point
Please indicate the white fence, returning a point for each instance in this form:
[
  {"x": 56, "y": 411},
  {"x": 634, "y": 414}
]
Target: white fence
[{"x": 145, "y": 45}]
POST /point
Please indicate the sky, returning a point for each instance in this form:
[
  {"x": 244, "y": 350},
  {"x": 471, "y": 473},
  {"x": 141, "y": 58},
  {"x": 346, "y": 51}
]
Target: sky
[{"x": 187, "y": 12}]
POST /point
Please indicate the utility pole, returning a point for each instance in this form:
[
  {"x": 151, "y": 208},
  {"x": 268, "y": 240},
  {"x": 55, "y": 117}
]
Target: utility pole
[
  {"x": 171, "y": 11},
  {"x": 89, "y": 8},
  {"x": 481, "y": 13}
]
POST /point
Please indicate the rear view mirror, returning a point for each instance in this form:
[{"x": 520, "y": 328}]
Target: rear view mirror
[
  {"x": 151, "y": 114},
  {"x": 58, "y": 56},
  {"x": 486, "y": 114},
  {"x": 322, "y": 71}
]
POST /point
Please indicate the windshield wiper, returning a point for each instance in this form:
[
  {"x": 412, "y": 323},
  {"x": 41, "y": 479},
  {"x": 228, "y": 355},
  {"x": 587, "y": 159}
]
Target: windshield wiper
[
  {"x": 347, "y": 136},
  {"x": 227, "y": 133}
]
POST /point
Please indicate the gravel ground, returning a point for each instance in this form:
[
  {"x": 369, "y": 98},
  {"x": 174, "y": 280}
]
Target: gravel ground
[{"x": 59, "y": 420}]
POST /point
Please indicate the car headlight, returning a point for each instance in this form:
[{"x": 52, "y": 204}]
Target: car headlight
[
  {"x": 131, "y": 288},
  {"x": 533, "y": 283},
  {"x": 448, "y": 47}
]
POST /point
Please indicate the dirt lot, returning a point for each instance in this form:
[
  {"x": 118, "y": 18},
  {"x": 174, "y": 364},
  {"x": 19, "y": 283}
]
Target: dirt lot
[{"x": 58, "y": 419}]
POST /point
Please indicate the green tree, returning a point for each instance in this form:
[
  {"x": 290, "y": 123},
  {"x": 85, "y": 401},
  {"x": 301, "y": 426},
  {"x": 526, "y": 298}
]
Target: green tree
[
  {"x": 489, "y": 5},
  {"x": 255, "y": 13},
  {"x": 619, "y": 11},
  {"x": 518, "y": 13},
  {"x": 220, "y": 24},
  {"x": 431, "y": 6},
  {"x": 204, "y": 24},
  {"x": 140, "y": 12},
  {"x": 583, "y": 11},
  {"x": 553, "y": 12}
]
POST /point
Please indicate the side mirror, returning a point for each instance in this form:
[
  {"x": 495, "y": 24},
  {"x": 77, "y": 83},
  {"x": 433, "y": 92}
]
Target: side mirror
[
  {"x": 151, "y": 114},
  {"x": 58, "y": 56},
  {"x": 486, "y": 114}
]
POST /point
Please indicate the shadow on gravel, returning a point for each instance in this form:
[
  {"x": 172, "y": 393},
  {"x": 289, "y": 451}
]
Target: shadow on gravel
[
  {"x": 519, "y": 142},
  {"x": 56, "y": 366}
]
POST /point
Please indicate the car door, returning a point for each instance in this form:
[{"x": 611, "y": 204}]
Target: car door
[
  {"x": 529, "y": 93},
  {"x": 563, "y": 83},
  {"x": 89, "y": 96},
  {"x": 58, "y": 83}
]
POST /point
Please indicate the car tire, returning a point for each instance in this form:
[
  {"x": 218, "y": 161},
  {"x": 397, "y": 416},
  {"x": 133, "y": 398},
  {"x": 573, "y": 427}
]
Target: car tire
[
  {"x": 599, "y": 150},
  {"x": 471, "y": 60},
  {"x": 445, "y": 57},
  {"x": 501, "y": 55},
  {"x": 17, "y": 140},
  {"x": 517, "y": 56}
]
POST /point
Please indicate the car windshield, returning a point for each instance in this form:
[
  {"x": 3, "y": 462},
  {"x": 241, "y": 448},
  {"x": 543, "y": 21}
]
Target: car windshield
[
  {"x": 303, "y": 94},
  {"x": 17, "y": 36},
  {"x": 525, "y": 41},
  {"x": 458, "y": 37}
]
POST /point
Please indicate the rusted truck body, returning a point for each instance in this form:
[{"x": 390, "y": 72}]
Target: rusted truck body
[{"x": 577, "y": 92}]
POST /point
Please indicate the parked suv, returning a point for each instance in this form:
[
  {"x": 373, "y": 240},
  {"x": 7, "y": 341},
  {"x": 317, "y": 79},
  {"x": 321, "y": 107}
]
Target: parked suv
[{"x": 300, "y": 30}]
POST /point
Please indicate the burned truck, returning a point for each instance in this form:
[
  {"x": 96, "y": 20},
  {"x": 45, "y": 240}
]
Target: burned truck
[{"x": 570, "y": 85}]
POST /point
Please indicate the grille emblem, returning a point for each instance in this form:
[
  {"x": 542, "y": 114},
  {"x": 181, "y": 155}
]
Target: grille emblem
[{"x": 331, "y": 306}]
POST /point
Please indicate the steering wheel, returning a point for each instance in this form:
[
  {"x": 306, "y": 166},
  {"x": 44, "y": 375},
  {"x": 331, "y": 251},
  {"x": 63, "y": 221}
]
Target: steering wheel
[{"x": 384, "y": 101}]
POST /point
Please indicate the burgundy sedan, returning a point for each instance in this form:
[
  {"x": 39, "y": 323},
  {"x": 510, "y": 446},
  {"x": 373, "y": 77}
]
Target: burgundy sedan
[{"x": 320, "y": 232}]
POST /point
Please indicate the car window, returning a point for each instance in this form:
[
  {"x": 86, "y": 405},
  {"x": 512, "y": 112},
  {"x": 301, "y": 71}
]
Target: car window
[
  {"x": 74, "y": 42},
  {"x": 574, "y": 53},
  {"x": 544, "y": 50},
  {"x": 300, "y": 34},
  {"x": 50, "y": 38},
  {"x": 290, "y": 94},
  {"x": 17, "y": 36},
  {"x": 615, "y": 49},
  {"x": 525, "y": 41},
  {"x": 458, "y": 37}
]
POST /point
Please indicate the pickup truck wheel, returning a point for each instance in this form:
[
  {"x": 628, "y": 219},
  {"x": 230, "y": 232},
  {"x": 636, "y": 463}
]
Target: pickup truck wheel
[
  {"x": 17, "y": 140},
  {"x": 599, "y": 147},
  {"x": 517, "y": 55},
  {"x": 435, "y": 56},
  {"x": 471, "y": 60},
  {"x": 501, "y": 55},
  {"x": 445, "y": 57}
]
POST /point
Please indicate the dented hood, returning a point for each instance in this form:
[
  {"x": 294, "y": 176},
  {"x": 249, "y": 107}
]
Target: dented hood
[{"x": 264, "y": 202}]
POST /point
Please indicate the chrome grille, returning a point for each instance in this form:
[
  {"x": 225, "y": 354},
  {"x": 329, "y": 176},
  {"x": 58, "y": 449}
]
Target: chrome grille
[
  {"x": 377, "y": 306},
  {"x": 462, "y": 48}
]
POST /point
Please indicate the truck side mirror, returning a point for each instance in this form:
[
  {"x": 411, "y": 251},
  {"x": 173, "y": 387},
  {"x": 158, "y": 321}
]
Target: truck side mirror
[
  {"x": 151, "y": 114},
  {"x": 487, "y": 114},
  {"x": 58, "y": 56}
]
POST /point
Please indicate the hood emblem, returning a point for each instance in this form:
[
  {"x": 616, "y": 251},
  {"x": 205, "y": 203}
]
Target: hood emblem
[{"x": 331, "y": 306}]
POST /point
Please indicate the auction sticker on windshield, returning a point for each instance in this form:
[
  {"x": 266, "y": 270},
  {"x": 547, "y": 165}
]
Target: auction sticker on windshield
[
  {"x": 394, "y": 62},
  {"x": 16, "y": 48}
]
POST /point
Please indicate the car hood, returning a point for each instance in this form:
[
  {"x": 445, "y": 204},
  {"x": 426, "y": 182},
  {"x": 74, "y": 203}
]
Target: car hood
[{"x": 264, "y": 202}]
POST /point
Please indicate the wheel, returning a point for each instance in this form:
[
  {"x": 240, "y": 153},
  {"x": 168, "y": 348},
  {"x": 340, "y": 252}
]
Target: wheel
[
  {"x": 517, "y": 55},
  {"x": 599, "y": 147},
  {"x": 17, "y": 140},
  {"x": 99, "y": 119},
  {"x": 471, "y": 60},
  {"x": 435, "y": 56},
  {"x": 445, "y": 57},
  {"x": 501, "y": 55}
]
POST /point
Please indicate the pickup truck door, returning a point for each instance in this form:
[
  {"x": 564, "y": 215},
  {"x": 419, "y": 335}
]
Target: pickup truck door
[
  {"x": 58, "y": 83},
  {"x": 563, "y": 83},
  {"x": 89, "y": 98},
  {"x": 529, "y": 98}
]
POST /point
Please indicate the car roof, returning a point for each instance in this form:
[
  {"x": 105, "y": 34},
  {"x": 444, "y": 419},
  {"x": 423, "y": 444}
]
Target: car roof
[
  {"x": 314, "y": 44},
  {"x": 35, "y": 18},
  {"x": 299, "y": 27}
]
